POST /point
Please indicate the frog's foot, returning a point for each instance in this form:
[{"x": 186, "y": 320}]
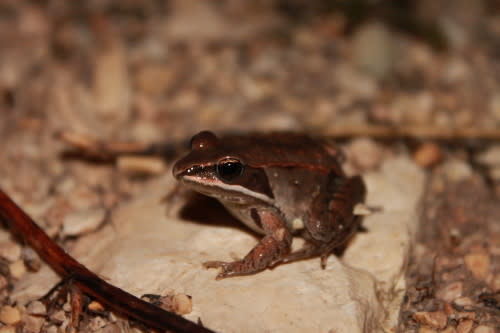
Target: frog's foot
[
  {"x": 309, "y": 250},
  {"x": 230, "y": 269},
  {"x": 275, "y": 245}
]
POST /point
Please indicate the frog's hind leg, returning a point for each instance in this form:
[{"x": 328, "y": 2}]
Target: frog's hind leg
[
  {"x": 269, "y": 250},
  {"x": 332, "y": 221},
  {"x": 314, "y": 249},
  {"x": 309, "y": 250}
]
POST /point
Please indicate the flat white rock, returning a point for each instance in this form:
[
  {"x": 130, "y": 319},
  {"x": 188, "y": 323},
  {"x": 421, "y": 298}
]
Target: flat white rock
[
  {"x": 83, "y": 221},
  {"x": 146, "y": 251}
]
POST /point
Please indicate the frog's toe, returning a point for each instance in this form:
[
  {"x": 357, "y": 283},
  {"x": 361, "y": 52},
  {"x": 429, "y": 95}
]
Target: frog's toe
[
  {"x": 228, "y": 269},
  {"x": 215, "y": 264},
  {"x": 324, "y": 259}
]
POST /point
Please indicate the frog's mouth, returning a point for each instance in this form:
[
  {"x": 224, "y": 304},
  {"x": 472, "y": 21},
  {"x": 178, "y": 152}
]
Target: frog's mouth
[{"x": 215, "y": 188}]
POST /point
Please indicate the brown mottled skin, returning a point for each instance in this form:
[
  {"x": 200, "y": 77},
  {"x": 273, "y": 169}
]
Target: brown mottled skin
[{"x": 278, "y": 184}]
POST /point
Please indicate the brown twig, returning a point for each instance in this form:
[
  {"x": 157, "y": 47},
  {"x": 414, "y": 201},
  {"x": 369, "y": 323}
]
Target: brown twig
[
  {"x": 105, "y": 151},
  {"x": 97, "y": 149},
  {"x": 116, "y": 299},
  {"x": 417, "y": 132}
]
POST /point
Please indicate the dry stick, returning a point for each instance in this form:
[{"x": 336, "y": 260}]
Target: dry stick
[
  {"x": 419, "y": 132},
  {"x": 103, "y": 150},
  {"x": 116, "y": 299},
  {"x": 99, "y": 148}
]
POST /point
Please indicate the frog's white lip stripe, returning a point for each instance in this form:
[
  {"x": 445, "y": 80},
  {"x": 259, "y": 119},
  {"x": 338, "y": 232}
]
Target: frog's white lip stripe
[{"x": 228, "y": 187}]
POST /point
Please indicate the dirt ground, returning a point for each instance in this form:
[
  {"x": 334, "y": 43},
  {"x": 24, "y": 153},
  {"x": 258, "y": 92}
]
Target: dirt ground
[{"x": 420, "y": 78}]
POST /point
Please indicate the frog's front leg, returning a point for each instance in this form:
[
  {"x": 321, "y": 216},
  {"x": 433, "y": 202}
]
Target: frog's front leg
[{"x": 270, "y": 249}]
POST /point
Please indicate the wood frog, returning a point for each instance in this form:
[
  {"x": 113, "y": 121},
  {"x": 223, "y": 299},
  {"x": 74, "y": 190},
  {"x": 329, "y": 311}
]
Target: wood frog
[{"x": 278, "y": 184}]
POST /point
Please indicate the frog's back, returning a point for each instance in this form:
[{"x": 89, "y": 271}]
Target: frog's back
[{"x": 283, "y": 149}]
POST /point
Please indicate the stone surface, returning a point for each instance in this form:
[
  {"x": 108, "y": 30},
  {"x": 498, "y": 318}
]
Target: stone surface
[
  {"x": 83, "y": 221},
  {"x": 148, "y": 251},
  {"x": 435, "y": 319},
  {"x": 10, "y": 315},
  {"x": 478, "y": 264}
]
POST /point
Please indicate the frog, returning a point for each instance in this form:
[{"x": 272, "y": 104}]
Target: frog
[{"x": 280, "y": 185}]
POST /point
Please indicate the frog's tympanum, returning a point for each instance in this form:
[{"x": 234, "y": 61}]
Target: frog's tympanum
[{"x": 278, "y": 184}]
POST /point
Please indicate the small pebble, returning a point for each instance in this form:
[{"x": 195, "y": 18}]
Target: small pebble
[
  {"x": 141, "y": 165},
  {"x": 154, "y": 79},
  {"x": 36, "y": 308},
  {"x": 179, "y": 303},
  {"x": 365, "y": 154},
  {"x": 374, "y": 49},
  {"x": 455, "y": 71},
  {"x": 450, "y": 292},
  {"x": 463, "y": 301},
  {"x": 111, "y": 84},
  {"x": 428, "y": 154},
  {"x": 494, "y": 107},
  {"x": 426, "y": 329},
  {"x": 448, "y": 309},
  {"x": 478, "y": 264},
  {"x": 465, "y": 326},
  {"x": 17, "y": 269},
  {"x": 52, "y": 329},
  {"x": 435, "y": 319},
  {"x": 67, "y": 307},
  {"x": 3, "y": 282},
  {"x": 112, "y": 317},
  {"x": 455, "y": 170},
  {"x": 96, "y": 307},
  {"x": 31, "y": 259},
  {"x": 32, "y": 324},
  {"x": 182, "y": 304},
  {"x": 59, "y": 317},
  {"x": 465, "y": 315},
  {"x": 490, "y": 157},
  {"x": 8, "y": 329},
  {"x": 484, "y": 329},
  {"x": 495, "y": 282},
  {"x": 65, "y": 326},
  {"x": 495, "y": 173},
  {"x": 97, "y": 323},
  {"x": 449, "y": 329},
  {"x": 10, "y": 250},
  {"x": 10, "y": 315}
]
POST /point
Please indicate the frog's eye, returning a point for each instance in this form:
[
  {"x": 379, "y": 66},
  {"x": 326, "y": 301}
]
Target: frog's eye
[
  {"x": 229, "y": 169},
  {"x": 203, "y": 140}
]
